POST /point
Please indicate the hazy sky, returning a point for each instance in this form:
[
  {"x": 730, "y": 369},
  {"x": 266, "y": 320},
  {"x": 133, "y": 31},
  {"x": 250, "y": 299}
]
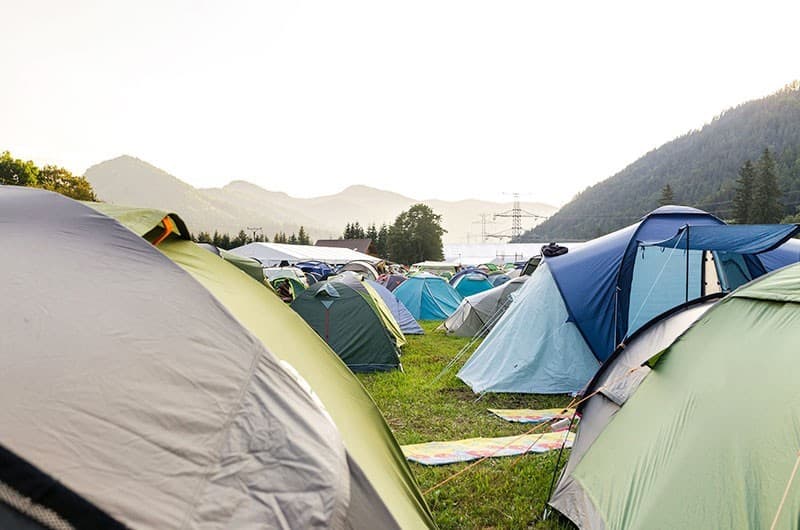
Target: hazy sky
[{"x": 429, "y": 98}]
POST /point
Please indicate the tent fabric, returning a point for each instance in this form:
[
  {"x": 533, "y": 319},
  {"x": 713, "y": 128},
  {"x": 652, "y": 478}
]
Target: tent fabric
[
  {"x": 617, "y": 379},
  {"x": 145, "y": 220},
  {"x": 387, "y": 317},
  {"x": 319, "y": 269},
  {"x": 360, "y": 267},
  {"x": 738, "y": 239},
  {"x": 607, "y": 287},
  {"x": 428, "y": 297},
  {"x": 391, "y": 281},
  {"x": 468, "y": 270},
  {"x": 499, "y": 279},
  {"x": 404, "y": 319},
  {"x": 350, "y": 323},
  {"x": 482, "y": 310},
  {"x": 128, "y": 382},
  {"x": 527, "y": 349},
  {"x": 366, "y": 435},
  {"x": 782, "y": 256},
  {"x": 272, "y": 254},
  {"x": 690, "y": 458},
  {"x": 471, "y": 283},
  {"x": 358, "y": 282},
  {"x": 600, "y": 307}
]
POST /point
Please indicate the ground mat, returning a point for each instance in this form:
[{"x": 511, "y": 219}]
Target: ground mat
[
  {"x": 438, "y": 453},
  {"x": 532, "y": 415}
]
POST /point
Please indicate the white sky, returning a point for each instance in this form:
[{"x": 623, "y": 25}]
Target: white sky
[{"x": 538, "y": 97}]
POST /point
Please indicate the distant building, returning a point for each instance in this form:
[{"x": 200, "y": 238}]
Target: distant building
[{"x": 365, "y": 246}]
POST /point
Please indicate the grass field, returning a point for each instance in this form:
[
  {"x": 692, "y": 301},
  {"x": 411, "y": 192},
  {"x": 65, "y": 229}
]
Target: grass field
[{"x": 506, "y": 493}]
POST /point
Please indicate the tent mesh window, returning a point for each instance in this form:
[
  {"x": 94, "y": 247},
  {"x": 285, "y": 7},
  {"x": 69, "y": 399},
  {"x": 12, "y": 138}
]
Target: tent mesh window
[{"x": 37, "y": 512}]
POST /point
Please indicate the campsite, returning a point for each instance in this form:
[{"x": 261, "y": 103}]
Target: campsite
[
  {"x": 439, "y": 265},
  {"x": 402, "y": 397}
]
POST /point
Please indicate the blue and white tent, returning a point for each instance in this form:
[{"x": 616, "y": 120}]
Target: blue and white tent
[
  {"x": 428, "y": 297},
  {"x": 578, "y": 307}
]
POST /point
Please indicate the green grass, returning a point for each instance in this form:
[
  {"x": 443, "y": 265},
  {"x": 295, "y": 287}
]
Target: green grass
[{"x": 506, "y": 493}]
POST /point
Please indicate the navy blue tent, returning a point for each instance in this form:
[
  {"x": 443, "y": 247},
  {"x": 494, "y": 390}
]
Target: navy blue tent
[
  {"x": 318, "y": 268},
  {"x": 585, "y": 302}
]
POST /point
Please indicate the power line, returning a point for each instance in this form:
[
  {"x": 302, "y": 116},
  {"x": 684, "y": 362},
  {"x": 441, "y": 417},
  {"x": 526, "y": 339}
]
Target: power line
[{"x": 516, "y": 213}]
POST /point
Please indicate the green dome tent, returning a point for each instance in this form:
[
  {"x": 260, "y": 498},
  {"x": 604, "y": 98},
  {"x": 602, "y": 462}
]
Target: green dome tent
[
  {"x": 352, "y": 324},
  {"x": 366, "y": 435},
  {"x": 710, "y": 437}
]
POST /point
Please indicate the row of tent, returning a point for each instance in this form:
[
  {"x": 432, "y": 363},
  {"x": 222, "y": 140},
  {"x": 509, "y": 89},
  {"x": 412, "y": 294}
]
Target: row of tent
[
  {"x": 150, "y": 383},
  {"x": 364, "y": 316}
]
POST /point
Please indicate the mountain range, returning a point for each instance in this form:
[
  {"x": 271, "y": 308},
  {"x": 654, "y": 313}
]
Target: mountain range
[
  {"x": 239, "y": 204},
  {"x": 701, "y": 167}
]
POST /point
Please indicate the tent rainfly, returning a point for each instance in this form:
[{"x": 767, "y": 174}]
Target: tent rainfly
[
  {"x": 364, "y": 335},
  {"x": 482, "y": 310},
  {"x": 578, "y": 306},
  {"x": 367, "y": 437},
  {"x": 428, "y": 297},
  {"x": 272, "y": 254}
]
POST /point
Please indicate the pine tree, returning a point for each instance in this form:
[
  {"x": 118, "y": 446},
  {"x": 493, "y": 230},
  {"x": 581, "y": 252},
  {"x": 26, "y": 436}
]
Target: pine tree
[
  {"x": 382, "y": 242},
  {"x": 767, "y": 194},
  {"x": 302, "y": 237},
  {"x": 292, "y": 239},
  {"x": 666, "y": 196},
  {"x": 744, "y": 197}
]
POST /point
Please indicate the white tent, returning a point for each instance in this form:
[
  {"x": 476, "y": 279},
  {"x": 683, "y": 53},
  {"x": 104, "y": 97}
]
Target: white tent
[{"x": 271, "y": 254}]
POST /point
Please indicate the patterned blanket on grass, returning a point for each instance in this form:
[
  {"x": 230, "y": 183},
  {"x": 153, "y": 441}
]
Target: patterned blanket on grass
[
  {"x": 532, "y": 415},
  {"x": 438, "y": 453}
]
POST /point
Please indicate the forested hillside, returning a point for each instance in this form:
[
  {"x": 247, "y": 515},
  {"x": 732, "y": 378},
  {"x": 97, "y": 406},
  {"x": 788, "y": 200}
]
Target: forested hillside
[{"x": 700, "y": 167}]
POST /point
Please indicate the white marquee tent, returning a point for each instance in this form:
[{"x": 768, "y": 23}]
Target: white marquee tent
[{"x": 272, "y": 254}]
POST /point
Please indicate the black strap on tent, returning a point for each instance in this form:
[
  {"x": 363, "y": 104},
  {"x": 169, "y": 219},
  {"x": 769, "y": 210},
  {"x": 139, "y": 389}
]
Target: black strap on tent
[
  {"x": 553, "y": 249},
  {"x": 44, "y": 491}
]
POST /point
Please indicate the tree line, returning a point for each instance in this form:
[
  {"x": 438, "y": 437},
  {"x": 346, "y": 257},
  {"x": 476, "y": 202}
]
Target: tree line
[
  {"x": 415, "y": 235},
  {"x": 757, "y": 199},
  {"x": 18, "y": 172},
  {"x": 226, "y": 241}
]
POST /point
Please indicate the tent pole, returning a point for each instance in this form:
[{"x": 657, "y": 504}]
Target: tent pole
[{"x": 687, "y": 263}]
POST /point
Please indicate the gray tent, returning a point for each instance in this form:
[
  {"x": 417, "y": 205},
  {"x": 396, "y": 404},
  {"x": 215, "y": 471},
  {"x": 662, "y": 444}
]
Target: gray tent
[
  {"x": 131, "y": 385},
  {"x": 482, "y": 310},
  {"x": 615, "y": 382}
]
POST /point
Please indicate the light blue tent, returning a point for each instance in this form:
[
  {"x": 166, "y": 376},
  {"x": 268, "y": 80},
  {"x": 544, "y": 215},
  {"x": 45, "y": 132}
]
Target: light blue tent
[
  {"x": 404, "y": 318},
  {"x": 578, "y": 307},
  {"x": 428, "y": 297},
  {"x": 471, "y": 283},
  {"x": 499, "y": 279}
]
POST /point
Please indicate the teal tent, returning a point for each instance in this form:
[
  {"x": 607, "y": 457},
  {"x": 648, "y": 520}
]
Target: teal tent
[
  {"x": 428, "y": 297},
  {"x": 471, "y": 283}
]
